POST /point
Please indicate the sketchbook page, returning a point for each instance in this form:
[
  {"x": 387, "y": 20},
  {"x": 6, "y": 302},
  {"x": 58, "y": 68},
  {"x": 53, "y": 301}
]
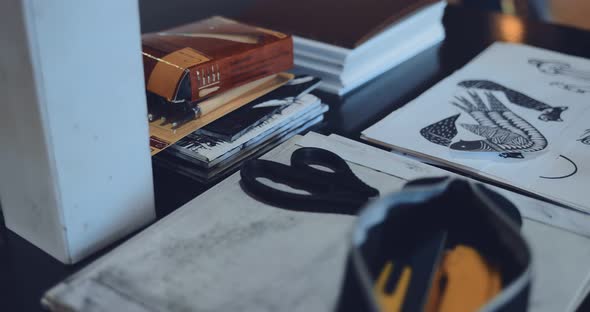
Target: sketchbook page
[
  {"x": 570, "y": 171},
  {"x": 494, "y": 117},
  {"x": 564, "y": 174}
]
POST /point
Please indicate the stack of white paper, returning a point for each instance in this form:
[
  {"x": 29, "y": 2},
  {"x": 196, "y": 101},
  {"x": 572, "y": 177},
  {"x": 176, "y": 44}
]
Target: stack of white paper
[{"x": 343, "y": 69}]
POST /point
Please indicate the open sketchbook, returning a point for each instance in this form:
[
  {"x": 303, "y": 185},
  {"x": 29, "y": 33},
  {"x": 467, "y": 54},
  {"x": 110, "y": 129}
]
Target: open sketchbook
[
  {"x": 516, "y": 115},
  {"x": 225, "y": 251}
]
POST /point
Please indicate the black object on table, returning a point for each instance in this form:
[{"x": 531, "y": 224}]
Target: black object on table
[
  {"x": 337, "y": 191},
  {"x": 26, "y": 272}
]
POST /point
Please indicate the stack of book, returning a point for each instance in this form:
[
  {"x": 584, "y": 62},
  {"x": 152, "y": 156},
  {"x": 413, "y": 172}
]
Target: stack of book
[
  {"x": 217, "y": 94},
  {"x": 348, "y": 42},
  {"x": 197, "y": 73},
  {"x": 214, "y": 151}
]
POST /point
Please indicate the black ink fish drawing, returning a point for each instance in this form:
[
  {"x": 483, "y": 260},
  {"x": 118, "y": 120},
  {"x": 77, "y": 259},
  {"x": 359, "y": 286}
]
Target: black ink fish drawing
[
  {"x": 548, "y": 113},
  {"x": 503, "y": 131},
  {"x": 442, "y": 132},
  {"x": 560, "y": 68},
  {"x": 585, "y": 137}
]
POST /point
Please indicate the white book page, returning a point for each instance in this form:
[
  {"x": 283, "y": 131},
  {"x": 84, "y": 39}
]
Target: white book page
[
  {"x": 507, "y": 115},
  {"x": 569, "y": 172}
]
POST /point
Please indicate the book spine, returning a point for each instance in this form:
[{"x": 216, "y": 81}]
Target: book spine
[{"x": 217, "y": 76}]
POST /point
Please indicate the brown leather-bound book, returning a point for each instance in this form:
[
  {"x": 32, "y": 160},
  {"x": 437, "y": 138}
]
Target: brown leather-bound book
[
  {"x": 198, "y": 60},
  {"x": 343, "y": 23}
]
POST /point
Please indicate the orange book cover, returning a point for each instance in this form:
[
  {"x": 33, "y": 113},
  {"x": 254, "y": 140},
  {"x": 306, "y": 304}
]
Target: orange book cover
[{"x": 198, "y": 60}]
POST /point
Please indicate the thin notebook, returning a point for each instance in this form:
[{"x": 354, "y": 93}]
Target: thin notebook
[{"x": 516, "y": 115}]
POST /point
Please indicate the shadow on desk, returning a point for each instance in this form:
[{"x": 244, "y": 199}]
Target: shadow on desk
[{"x": 361, "y": 108}]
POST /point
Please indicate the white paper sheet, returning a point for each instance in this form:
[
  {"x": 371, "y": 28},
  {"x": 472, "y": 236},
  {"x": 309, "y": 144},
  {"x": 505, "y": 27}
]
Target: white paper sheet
[{"x": 510, "y": 99}]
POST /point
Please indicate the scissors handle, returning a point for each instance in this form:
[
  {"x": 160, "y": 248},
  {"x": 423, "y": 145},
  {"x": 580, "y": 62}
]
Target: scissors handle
[{"x": 339, "y": 191}]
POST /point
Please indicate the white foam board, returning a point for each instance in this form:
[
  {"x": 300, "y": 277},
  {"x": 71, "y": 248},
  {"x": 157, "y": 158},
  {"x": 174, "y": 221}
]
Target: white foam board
[{"x": 76, "y": 171}]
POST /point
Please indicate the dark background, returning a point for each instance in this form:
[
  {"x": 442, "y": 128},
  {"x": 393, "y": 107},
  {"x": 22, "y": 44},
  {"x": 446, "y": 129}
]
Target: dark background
[
  {"x": 156, "y": 15},
  {"x": 161, "y": 14}
]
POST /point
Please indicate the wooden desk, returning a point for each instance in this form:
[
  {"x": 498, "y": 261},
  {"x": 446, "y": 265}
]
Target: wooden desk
[{"x": 26, "y": 272}]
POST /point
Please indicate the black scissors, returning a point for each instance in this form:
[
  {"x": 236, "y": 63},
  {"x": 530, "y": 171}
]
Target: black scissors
[{"x": 339, "y": 191}]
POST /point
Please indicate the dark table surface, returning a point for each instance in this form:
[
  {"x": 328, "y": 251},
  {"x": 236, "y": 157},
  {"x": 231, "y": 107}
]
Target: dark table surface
[{"x": 26, "y": 272}]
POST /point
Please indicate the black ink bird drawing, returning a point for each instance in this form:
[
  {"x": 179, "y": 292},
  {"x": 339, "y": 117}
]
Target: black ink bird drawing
[
  {"x": 548, "y": 113},
  {"x": 503, "y": 131}
]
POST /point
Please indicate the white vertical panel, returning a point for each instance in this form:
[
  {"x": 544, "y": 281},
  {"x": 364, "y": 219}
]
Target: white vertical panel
[{"x": 74, "y": 156}]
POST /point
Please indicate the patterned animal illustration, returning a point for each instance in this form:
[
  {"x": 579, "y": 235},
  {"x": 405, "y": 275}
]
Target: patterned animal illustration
[
  {"x": 442, "y": 132},
  {"x": 548, "y": 113},
  {"x": 503, "y": 131}
]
